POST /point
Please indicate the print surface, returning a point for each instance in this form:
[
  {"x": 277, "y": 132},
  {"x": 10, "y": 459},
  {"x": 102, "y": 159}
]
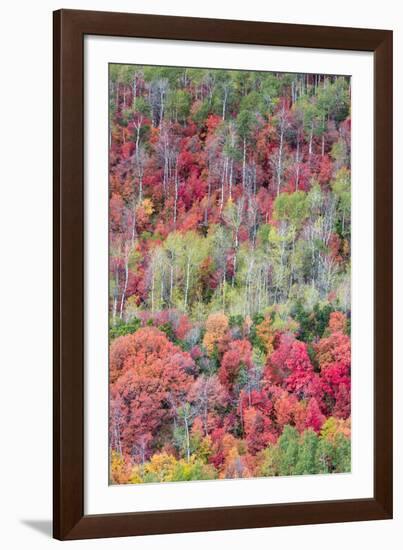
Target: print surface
[{"x": 229, "y": 274}]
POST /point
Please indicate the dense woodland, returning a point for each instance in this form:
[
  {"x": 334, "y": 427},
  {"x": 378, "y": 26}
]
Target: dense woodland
[{"x": 229, "y": 274}]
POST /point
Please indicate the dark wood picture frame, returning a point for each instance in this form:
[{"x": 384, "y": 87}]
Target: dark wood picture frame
[{"x": 70, "y": 27}]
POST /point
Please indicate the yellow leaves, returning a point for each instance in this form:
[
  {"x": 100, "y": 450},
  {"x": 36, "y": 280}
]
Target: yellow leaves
[
  {"x": 119, "y": 469},
  {"x": 233, "y": 454},
  {"x": 162, "y": 465},
  {"x": 143, "y": 211},
  {"x": 235, "y": 465},
  {"x": 131, "y": 307},
  {"x": 205, "y": 448},
  {"x": 202, "y": 444},
  {"x": 228, "y": 443},
  {"x": 334, "y": 426},
  {"x": 266, "y": 334},
  {"x": 148, "y": 206},
  {"x": 135, "y": 476},
  {"x": 216, "y": 329}
]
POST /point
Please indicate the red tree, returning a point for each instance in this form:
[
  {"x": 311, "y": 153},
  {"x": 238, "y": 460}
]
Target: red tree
[
  {"x": 207, "y": 395},
  {"x": 336, "y": 348},
  {"x": 152, "y": 383},
  {"x": 314, "y": 418},
  {"x": 239, "y": 355},
  {"x": 259, "y": 430}
]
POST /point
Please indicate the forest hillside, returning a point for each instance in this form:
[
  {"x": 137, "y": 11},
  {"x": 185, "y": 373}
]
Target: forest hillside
[{"x": 229, "y": 273}]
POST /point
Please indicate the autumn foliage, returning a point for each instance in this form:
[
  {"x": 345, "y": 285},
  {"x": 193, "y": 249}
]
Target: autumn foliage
[{"x": 229, "y": 219}]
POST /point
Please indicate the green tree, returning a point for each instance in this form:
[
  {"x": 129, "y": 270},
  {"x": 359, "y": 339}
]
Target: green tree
[
  {"x": 246, "y": 122},
  {"x": 311, "y": 117},
  {"x": 288, "y": 451},
  {"x": 334, "y": 99},
  {"x": 280, "y": 243},
  {"x": 325, "y": 457},
  {"x": 178, "y": 105},
  {"x": 341, "y": 186},
  {"x": 342, "y": 453},
  {"x": 291, "y": 207},
  {"x": 306, "y": 463},
  {"x": 179, "y": 267}
]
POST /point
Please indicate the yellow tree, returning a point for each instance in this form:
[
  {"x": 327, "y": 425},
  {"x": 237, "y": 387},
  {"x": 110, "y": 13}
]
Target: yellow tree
[
  {"x": 216, "y": 330},
  {"x": 266, "y": 334}
]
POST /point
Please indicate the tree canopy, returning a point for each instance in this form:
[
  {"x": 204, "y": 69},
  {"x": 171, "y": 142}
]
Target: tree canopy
[{"x": 229, "y": 273}]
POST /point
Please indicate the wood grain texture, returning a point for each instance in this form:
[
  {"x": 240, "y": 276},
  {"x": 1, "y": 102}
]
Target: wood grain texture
[{"x": 70, "y": 26}]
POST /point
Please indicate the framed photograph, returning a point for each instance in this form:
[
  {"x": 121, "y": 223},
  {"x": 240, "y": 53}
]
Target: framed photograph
[{"x": 222, "y": 274}]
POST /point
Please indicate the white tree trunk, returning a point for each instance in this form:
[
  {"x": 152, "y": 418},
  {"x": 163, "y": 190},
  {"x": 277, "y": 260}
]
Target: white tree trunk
[
  {"x": 297, "y": 165},
  {"x": 280, "y": 159},
  {"x": 122, "y": 302},
  {"x": 244, "y": 163},
  {"x": 187, "y": 439},
  {"x": 176, "y": 192},
  {"x": 187, "y": 283}
]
